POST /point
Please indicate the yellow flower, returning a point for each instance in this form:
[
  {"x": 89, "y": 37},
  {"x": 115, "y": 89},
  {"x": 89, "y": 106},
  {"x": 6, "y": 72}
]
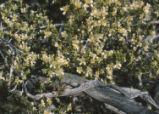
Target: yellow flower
[
  {"x": 2, "y": 5},
  {"x": 47, "y": 34},
  {"x": 24, "y": 36},
  {"x": 141, "y": 3},
  {"x": 23, "y": 10},
  {"x": 77, "y": 3},
  {"x": 146, "y": 48},
  {"x": 89, "y": 21},
  {"x": 134, "y": 48},
  {"x": 146, "y": 9},
  {"x": 44, "y": 71},
  {"x": 102, "y": 22},
  {"x": 64, "y": 34},
  {"x": 104, "y": 55},
  {"x": 122, "y": 31},
  {"x": 99, "y": 59},
  {"x": 42, "y": 104},
  {"x": 53, "y": 64},
  {"x": 82, "y": 61},
  {"x": 61, "y": 61},
  {"x": 49, "y": 101},
  {"x": 45, "y": 58},
  {"x": 71, "y": 19},
  {"x": 75, "y": 44},
  {"x": 110, "y": 72},
  {"x": 124, "y": 9},
  {"x": 50, "y": 73},
  {"x": 85, "y": 6},
  {"x": 98, "y": 36},
  {"x": 14, "y": 17},
  {"x": 110, "y": 52},
  {"x": 32, "y": 12},
  {"x": 95, "y": 13},
  {"x": 129, "y": 18},
  {"x": 92, "y": 61},
  {"x": 57, "y": 45},
  {"x": 118, "y": 65},
  {"x": 110, "y": 77},
  {"x": 141, "y": 37},
  {"x": 79, "y": 70},
  {"x": 46, "y": 112},
  {"x": 114, "y": 13},
  {"x": 89, "y": 70},
  {"x": 110, "y": 2},
  {"x": 155, "y": 63},
  {"x": 118, "y": 2},
  {"x": 102, "y": 71},
  {"x": 34, "y": 109},
  {"x": 64, "y": 9},
  {"x": 92, "y": 55},
  {"x": 89, "y": 1},
  {"x": 139, "y": 44},
  {"x": 69, "y": 107},
  {"x": 157, "y": 72},
  {"x": 135, "y": 5},
  {"x": 97, "y": 75},
  {"x": 157, "y": 13},
  {"x": 59, "y": 71}
]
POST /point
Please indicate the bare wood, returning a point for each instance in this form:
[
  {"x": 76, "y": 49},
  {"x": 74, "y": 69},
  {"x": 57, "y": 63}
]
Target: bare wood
[{"x": 103, "y": 94}]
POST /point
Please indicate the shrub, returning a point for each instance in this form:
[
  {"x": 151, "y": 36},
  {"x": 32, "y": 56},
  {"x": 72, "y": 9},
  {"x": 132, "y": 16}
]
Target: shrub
[
  {"x": 107, "y": 39},
  {"x": 102, "y": 39}
]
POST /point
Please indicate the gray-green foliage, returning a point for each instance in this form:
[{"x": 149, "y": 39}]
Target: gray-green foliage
[{"x": 104, "y": 39}]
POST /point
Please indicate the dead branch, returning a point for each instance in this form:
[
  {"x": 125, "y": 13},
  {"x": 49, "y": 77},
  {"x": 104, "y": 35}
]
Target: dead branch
[
  {"x": 154, "y": 22},
  {"x": 122, "y": 100}
]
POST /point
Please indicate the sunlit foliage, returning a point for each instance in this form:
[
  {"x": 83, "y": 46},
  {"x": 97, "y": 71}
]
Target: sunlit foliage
[{"x": 101, "y": 39}]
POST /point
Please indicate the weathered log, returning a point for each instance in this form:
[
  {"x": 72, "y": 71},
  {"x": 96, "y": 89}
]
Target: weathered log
[
  {"x": 115, "y": 96},
  {"x": 109, "y": 96}
]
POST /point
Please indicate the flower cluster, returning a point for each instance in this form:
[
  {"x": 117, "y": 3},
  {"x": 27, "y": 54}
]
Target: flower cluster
[{"x": 108, "y": 38}]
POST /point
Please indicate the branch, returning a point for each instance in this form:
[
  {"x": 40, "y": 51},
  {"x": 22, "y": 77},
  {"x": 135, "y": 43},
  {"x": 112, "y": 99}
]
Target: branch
[
  {"x": 103, "y": 93},
  {"x": 110, "y": 107},
  {"x": 151, "y": 38},
  {"x": 56, "y": 25},
  {"x": 37, "y": 96},
  {"x": 3, "y": 57},
  {"x": 10, "y": 75},
  {"x": 154, "y": 22},
  {"x": 14, "y": 49},
  {"x": 14, "y": 88}
]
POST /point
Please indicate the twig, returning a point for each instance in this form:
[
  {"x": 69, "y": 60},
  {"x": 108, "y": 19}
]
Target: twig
[
  {"x": 140, "y": 81},
  {"x": 10, "y": 75},
  {"x": 114, "y": 109},
  {"x": 59, "y": 24},
  {"x": 56, "y": 25},
  {"x": 61, "y": 28},
  {"x": 151, "y": 38},
  {"x": 37, "y": 96},
  {"x": 2, "y": 55},
  {"x": 154, "y": 22},
  {"x": 12, "y": 47},
  {"x": 150, "y": 100},
  {"x": 15, "y": 87}
]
